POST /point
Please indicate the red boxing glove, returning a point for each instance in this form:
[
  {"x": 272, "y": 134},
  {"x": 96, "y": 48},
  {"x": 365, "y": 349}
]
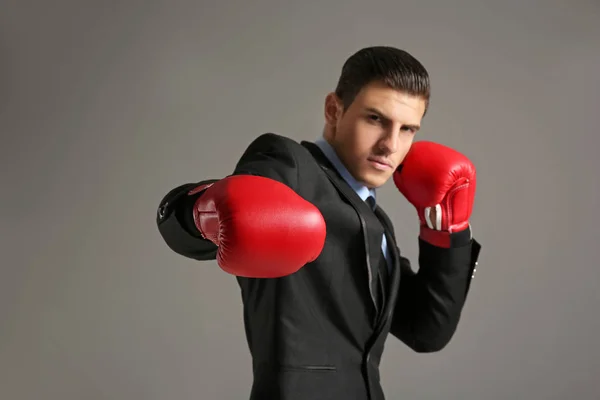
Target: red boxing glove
[
  {"x": 262, "y": 227},
  {"x": 433, "y": 176}
]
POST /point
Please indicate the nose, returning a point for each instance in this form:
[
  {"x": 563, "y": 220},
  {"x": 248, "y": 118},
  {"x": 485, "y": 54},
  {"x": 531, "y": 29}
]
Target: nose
[{"x": 390, "y": 141}]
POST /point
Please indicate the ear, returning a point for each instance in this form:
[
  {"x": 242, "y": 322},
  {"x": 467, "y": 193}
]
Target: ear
[{"x": 333, "y": 109}]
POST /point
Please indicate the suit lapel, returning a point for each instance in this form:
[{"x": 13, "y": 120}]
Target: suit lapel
[{"x": 371, "y": 226}]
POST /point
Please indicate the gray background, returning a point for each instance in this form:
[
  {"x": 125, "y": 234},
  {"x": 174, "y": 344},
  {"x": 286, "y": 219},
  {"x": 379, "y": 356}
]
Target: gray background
[{"x": 105, "y": 106}]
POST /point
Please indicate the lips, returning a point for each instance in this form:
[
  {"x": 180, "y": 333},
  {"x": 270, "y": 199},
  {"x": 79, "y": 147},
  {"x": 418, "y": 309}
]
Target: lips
[{"x": 380, "y": 161}]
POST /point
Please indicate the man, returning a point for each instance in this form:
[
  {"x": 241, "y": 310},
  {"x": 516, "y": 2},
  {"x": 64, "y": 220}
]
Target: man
[{"x": 323, "y": 282}]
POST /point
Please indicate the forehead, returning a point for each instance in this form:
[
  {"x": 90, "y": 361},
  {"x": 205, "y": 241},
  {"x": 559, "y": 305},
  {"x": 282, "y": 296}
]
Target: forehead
[{"x": 394, "y": 104}]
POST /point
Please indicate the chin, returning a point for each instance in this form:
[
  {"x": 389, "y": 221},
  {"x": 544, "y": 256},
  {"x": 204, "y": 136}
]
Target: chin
[
  {"x": 376, "y": 181},
  {"x": 375, "y": 184}
]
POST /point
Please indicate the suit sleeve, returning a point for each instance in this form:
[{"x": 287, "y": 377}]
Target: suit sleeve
[
  {"x": 269, "y": 155},
  {"x": 430, "y": 302}
]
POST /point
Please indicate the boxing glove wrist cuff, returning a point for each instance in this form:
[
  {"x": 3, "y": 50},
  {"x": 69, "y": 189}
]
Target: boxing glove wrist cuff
[
  {"x": 446, "y": 239},
  {"x": 200, "y": 218}
]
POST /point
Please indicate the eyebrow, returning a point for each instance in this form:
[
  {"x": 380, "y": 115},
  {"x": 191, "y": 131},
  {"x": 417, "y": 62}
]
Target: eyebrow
[{"x": 382, "y": 115}]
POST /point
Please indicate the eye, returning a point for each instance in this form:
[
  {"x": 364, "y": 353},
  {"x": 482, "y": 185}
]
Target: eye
[
  {"x": 408, "y": 129},
  {"x": 374, "y": 117}
]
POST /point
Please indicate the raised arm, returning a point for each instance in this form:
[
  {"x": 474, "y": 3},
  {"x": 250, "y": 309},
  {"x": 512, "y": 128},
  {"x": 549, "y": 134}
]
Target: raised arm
[{"x": 440, "y": 183}]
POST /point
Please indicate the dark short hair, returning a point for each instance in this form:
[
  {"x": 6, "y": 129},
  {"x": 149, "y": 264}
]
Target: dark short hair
[{"x": 391, "y": 66}]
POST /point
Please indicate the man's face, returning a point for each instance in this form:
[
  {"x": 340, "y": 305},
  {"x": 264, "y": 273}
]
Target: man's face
[{"x": 374, "y": 134}]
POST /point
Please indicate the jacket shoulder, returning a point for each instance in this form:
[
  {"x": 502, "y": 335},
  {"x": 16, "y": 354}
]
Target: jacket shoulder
[
  {"x": 274, "y": 156},
  {"x": 277, "y": 142}
]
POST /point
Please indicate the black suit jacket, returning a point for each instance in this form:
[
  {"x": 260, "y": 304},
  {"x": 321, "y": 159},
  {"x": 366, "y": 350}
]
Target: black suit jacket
[{"x": 320, "y": 332}]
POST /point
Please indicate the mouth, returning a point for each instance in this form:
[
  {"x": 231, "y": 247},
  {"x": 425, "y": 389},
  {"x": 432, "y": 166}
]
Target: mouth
[{"x": 380, "y": 164}]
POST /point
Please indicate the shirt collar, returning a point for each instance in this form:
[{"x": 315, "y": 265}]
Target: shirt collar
[{"x": 361, "y": 190}]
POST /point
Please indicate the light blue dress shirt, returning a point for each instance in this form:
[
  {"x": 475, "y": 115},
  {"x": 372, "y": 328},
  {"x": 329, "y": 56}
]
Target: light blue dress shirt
[{"x": 361, "y": 190}]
